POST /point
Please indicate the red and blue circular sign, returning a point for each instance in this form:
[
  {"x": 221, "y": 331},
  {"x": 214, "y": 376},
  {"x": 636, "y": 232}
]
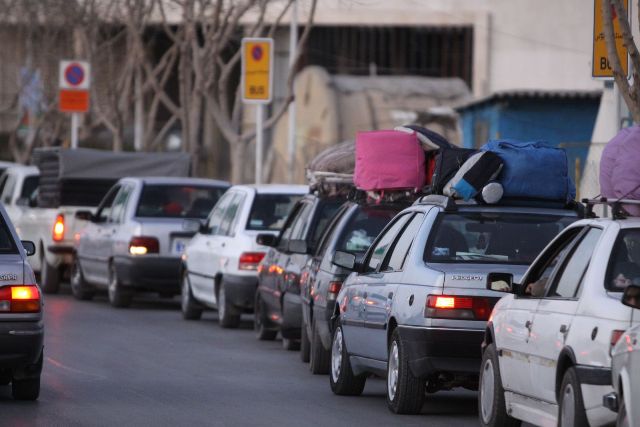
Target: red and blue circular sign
[
  {"x": 257, "y": 52},
  {"x": 74, "y": 74}
]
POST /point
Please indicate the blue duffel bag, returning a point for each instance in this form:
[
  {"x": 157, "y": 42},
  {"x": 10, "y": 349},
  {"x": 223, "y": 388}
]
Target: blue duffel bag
[{"x": 533, "y": 170}]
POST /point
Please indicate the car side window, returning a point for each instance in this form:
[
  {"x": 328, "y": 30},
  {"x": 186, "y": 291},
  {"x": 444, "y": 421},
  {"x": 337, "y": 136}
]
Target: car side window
[
  {"x": 326, "y": 236},
  {"x": 230, "y": 215},
  {"x": 118, "y": 208},
  {"x": 285, "y": 235},
  {"x": 624, "y": 262},
  {"x": 395, "y": 260},
  {"x": 537, "y": 281},
  {"x": 384, "y": 242},
  {"x": 568, "y": 282},
  {"x": 302, "y": 221},
  {"x": 104, "y": 209},
  {"x": 215, "y": 219},
  {"x": 9, "y": 188}
]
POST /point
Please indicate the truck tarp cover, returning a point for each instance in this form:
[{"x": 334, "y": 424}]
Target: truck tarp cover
[{"x": 81, "y": 177}]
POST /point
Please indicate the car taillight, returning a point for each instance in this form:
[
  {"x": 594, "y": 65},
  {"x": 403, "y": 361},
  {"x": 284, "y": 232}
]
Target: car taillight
[
  {"x": 455, "y": 307},
  {"x": 615, "y": 337},
  {"x": 58, "y": 228},
  {"x": 250, "y": 260},
  {"x": 334, "y": 289},
  {"x": 20, "y": 299},
  {"x": 142, "y": 245}
]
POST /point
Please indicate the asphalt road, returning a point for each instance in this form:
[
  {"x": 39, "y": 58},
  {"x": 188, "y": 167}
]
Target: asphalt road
[{"x": 147, "y": 366}]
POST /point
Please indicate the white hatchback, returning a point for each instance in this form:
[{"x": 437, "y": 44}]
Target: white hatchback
[
  {"x": 546, "y": 354},
  {"x": 220, "y": 263}
]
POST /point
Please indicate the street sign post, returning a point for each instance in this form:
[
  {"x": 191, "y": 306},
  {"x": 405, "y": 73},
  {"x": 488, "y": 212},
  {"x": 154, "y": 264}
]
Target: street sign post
[
  {"x": 257, "y": 85},
  {"x": 74, "y": 84},
  {"x": 601, "y": 68}
]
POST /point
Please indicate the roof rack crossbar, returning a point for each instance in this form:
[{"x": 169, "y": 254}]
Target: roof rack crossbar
[
  {"x": 617, "y": 211},
  {"x": 447, "y": 203}
]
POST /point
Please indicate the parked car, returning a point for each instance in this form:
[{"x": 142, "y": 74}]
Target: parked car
[
  {"x": 277, "y": 300},
  {"x": 72, "y": 180},
  {"x": 625, "y": 366},
  {"x": 21, "y": 321},
  {"x": 415, "y": 309},
  {"x": 135, "y": 240},
  {"x": 220, "y": 263},
  {"x": 353, "y": 229},
  {"x": 546, "y": 353},
  {"x": 18, "y": 186}
]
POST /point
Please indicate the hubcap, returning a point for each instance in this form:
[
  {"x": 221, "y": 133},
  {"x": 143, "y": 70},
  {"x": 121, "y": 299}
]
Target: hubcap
[
  {"x": 568, "y": 406},
  {"x": 392, "y": 371},
  {"x": 486, "y": 391},
  {"x": 221, "y": 303},
  {"x": 336, "y": 355}
]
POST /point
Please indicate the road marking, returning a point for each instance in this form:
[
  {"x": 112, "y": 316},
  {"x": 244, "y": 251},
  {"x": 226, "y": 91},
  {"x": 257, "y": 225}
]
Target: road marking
[{"x": 75, "y": 371}]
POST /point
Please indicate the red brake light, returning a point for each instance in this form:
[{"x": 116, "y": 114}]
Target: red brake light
[
  {"x": 250, "y": 260},
  {"x": 142, "y": 245},
  {"x": 454, "y": 307},
  {"x": 20, "y": 299},
  {"x": 58, "y": 228},
  {"x": 334, "y": 289}
]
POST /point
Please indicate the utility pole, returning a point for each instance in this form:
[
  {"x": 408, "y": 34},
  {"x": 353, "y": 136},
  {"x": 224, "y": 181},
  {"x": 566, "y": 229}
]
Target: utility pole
[{"x": 293, "y": 42}]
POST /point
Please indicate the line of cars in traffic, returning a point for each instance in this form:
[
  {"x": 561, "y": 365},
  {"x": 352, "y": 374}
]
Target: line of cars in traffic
[{"x": 410, "y": 290}]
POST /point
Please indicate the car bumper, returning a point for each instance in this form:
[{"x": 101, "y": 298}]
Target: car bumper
[
  {"x": 240, "y": 291},
  {"x": 20, "y": 343},
  {"x": 433, "y": 350},
  {"x": 291, "y": 316},
  {"x": 152, "y": 273}
]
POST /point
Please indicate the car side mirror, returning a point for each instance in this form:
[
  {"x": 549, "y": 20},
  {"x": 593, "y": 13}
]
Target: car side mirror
[
  {"x": 344, "y": 260},
  {"x": 298, "y": 246},
  {"x": 29, "y": 247},
  {"x": 631, "y": 296},
  {"x": 266, "y": 239},
  {"x": 191, "y": 225},
  {"x": 84, "y": 215},
  {"x": 500, "y": 282}
]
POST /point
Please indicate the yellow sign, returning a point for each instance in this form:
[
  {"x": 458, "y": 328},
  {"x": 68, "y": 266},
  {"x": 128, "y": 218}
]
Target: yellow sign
[
  {"x": 257, "y": 70},
  {"x": 601, "y": 66}
]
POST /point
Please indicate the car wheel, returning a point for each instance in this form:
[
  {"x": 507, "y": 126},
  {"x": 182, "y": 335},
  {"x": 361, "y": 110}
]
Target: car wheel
[
  {"x": 623, "y": 417},
  {"x": 227, "y": 316},
  {"x": 118, "y": 296},
  {"x": 80, "y": 289},
  {"x": 259, "y": 321},
  {"x": 491, "y": 405},
  {"x": 305, "y": 345},
  {"x": 405, "y": 392},
  {"x": 191, "y": 310},
  {"x": 290, "y": 344},
  {"x": 26, "y": 389},
  {"x": 320, "y": 360},
  {"x": 49, "y": 277},
  {"x": 572, "y": 412},
  {"x": 343, "y": 381}
]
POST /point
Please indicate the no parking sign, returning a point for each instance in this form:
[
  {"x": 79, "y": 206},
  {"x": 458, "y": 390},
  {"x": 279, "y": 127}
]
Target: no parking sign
[{"x": 74, "y": 83}]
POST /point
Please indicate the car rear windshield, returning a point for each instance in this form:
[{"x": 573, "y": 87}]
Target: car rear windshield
[
  {"x": 492, "y": 238},
  {"x": 269, "y": 211},
  {"x": 363, "y": 227},
  {"x": 624, "y": 263},
  {"x": 177, "y": 201},
  {"x": 7, "y": 244}
]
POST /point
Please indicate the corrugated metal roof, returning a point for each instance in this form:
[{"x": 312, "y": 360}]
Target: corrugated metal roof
[{"x": 529, "y": 94}]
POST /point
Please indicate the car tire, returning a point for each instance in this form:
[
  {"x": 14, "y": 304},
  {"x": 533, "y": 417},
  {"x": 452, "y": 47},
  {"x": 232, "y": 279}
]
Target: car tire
[
  {"x": 26, "y": 389},
  {"x": 320, "y": 359},
  {"x": 49, "y": 277},
  {"x": 623, "y": 416},
  {"x": 571, "y": 411},
  {"x": 492, "y": 410},
  {"x": 228, "y": 318},
  {"x": 343, "y": 381},
  {"x": 118, "y": 296},
  {"x": 80, "y": 289},
  {"x": 191, "y": 310},
  {"x": 405, "y": 392},
  {"x": 305, "y": 345},
  {"x": 259, "y": 321},
  {"x": 290, "y": 344}
]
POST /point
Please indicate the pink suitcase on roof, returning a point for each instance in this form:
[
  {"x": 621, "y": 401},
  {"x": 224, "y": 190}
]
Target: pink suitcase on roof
[{"x": 388, "y": 160}]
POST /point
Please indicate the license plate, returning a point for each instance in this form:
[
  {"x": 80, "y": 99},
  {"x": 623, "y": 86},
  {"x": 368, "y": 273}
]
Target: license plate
[{"x": 178, "y": 245}]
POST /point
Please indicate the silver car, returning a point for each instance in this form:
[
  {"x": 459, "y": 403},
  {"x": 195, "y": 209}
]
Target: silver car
[
  {"x": 416, "y": 308},
  {"x": 135, "y": 239}
]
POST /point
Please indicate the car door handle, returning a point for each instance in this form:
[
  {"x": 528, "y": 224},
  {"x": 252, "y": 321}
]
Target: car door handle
[
  {"x": 528, "y": 324},
  {"x": 390, "y": 296},
  {"x": 564, "y": 329},
  {"x": 223, "y": 244},
  {"x": 365, "y": 295}
]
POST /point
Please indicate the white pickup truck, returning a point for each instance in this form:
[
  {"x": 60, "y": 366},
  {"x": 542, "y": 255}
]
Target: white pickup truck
[{"x": 70, "y": 181}]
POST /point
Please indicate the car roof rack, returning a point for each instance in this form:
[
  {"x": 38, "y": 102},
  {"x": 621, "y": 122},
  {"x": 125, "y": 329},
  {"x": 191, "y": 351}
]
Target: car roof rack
[
  {"x": 616, "y": 205},
  {"x": 451, "y": 205},
  {"x": 445, "y": 202}
]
